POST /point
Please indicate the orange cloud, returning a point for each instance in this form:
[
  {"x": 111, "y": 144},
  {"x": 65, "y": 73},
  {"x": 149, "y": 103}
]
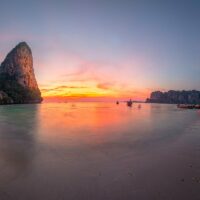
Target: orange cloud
[{"x": 105, "y": 86}]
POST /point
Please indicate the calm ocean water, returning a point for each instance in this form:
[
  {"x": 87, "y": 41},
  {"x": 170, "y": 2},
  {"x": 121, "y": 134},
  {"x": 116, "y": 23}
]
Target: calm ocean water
[{"x": 99, "y": 151}]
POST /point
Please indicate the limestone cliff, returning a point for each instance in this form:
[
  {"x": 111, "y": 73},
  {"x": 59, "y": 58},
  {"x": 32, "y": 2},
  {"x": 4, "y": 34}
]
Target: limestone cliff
[
  {"x": 175, "y": 97},
  {"x": 17, "y": 79}
]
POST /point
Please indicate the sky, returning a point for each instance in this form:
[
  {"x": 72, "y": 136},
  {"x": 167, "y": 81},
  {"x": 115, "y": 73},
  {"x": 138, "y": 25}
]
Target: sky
[{"x": 106, "y": 49}]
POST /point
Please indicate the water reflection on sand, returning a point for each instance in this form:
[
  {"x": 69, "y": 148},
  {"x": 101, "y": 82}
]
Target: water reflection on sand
[
  {"x": 17, "y": 140},
  {"x": 99, "y": 151}
]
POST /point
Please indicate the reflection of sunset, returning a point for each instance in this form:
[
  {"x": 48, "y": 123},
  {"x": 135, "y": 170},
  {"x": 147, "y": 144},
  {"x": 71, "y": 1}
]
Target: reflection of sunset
[{"x": 81, "y": 120}]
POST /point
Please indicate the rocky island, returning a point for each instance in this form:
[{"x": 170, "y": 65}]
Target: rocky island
[
  {"x": 18, "y": 84},
  {"x": 175, "y": 97}
]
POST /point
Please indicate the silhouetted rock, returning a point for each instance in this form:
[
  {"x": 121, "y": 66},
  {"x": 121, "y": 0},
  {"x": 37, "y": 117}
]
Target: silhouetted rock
[
  {"x": 17, "y": 78},
  {"x": 4, "y": 98},
  {"x": 175, "y": 97}
]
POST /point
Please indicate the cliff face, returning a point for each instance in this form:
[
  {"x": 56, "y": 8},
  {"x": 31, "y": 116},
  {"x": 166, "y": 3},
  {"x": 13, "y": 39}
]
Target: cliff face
[
  {"x": 175, "y": 97},
  {"x": 17, "y": 79}
]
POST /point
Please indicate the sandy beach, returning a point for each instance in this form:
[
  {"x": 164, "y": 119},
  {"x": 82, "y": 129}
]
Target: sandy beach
[{"x": 99, "y": 151}]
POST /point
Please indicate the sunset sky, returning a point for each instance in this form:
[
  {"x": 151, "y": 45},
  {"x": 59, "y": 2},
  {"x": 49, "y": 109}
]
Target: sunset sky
[{"x": 106, "y": 49}]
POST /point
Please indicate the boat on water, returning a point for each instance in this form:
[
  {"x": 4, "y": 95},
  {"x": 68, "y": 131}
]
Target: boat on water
[
  {"x": 197, "y": 106},
  {"x": 189, "y": 106},
  {"x": 117, "y": 102},
  {"x": 129, "y": 103}
]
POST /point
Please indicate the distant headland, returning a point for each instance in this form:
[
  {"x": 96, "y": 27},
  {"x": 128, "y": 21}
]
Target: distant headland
[
  {"x": 18, "y": 84},
  {"x": 175, "y": 97}
]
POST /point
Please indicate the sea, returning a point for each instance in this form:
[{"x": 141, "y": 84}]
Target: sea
[{"x": 99, "y": 151}]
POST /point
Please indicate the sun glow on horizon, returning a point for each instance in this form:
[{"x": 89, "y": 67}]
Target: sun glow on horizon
[
  {"x": 87, "y": 92},
  {"x": 80, "y": 78}
]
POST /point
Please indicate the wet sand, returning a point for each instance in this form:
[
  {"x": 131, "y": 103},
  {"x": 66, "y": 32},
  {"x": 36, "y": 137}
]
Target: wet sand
[{"x": 99, "y": 151}]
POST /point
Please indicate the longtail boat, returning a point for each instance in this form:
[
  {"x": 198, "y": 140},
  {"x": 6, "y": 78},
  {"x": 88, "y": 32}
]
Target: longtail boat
[
  {"x": 189, "y": 106},
  {"x": 129, "y": 103}
]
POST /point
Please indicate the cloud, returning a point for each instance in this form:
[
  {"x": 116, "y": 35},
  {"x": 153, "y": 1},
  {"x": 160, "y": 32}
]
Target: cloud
[
  {"x": 66, "y": 87},
  {"x": 86, "y": 70},
  {"x": 105, "y": 86},
  {"x": 80, "y": 71},
  {"x": 61, "y": 88}
]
